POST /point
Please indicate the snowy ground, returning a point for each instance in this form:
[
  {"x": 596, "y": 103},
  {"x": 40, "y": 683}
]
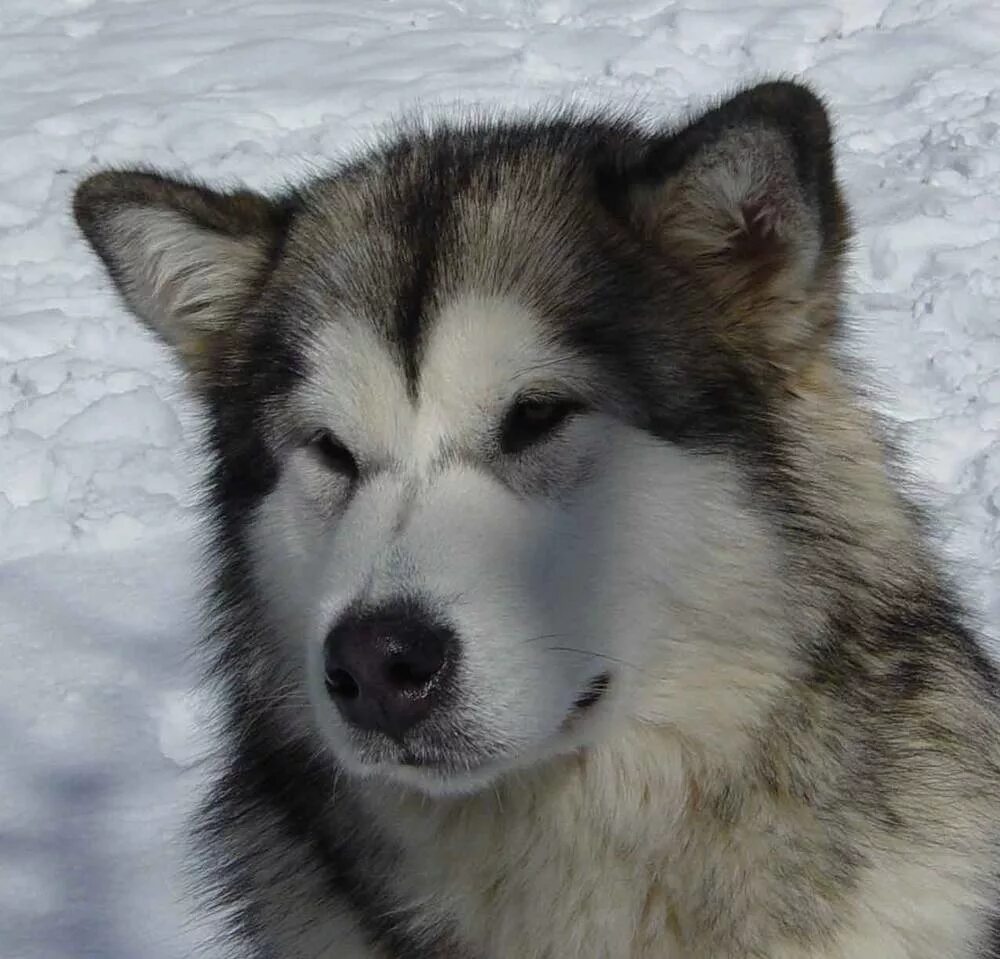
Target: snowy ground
[{"x": 98, "y": 738}]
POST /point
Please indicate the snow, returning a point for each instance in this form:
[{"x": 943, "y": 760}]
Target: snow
[{"x": 100, "y": 737}]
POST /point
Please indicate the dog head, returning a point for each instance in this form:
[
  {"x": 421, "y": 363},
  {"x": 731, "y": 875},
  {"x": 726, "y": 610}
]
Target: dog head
[{"x": 488, "y": 411}]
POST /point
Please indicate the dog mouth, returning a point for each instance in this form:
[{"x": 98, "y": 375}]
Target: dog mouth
[
  {"x": 449, "y": 762},
  {"x": 447, "y": 765},
  {"x": 437, "y": 757}
]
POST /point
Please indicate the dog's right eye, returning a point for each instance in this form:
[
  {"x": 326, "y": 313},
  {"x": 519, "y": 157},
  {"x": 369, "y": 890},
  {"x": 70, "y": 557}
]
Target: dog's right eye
[
  {"x": 533, "y": 418},
  {"x": 332, "y": 454}
]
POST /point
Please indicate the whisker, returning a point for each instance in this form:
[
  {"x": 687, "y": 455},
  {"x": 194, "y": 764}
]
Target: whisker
[
  {"x": 595, "y": 655},
  {"x": 541, "y": 638}
]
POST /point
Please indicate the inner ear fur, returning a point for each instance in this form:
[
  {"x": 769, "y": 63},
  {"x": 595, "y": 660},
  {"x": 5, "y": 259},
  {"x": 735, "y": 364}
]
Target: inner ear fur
[
  {"x": 746, "y": 198},
  {"x": 185, "y": 258}
]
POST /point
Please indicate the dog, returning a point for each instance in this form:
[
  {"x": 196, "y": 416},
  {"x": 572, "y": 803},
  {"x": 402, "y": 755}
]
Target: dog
[{"x": 566, "y": 601}]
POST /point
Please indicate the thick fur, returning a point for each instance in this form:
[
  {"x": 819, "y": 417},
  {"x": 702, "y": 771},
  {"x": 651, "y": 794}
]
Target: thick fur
[{"x": 714, "y": 698}]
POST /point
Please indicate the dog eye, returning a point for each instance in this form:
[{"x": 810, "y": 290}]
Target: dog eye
[
  {"x": 332, "y": 454},
  {"x": 533, "y": 418}
]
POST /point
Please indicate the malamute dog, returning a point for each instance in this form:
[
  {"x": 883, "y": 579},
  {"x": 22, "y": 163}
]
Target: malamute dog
[{"x": 565, "y": 605}]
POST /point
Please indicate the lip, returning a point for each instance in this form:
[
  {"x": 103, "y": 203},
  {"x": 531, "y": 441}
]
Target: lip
[
  {"x": 425, "y": 757},
  {"x": 446, "y": 763},
  {"x": 443, "y": 764}
]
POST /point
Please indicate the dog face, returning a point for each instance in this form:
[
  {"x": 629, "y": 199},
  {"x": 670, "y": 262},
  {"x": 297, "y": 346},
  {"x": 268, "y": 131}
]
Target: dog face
[{"x": 486, "y": 409}]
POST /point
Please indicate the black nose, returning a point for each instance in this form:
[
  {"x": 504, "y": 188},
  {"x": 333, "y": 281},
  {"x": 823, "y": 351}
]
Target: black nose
[{"x": 388, "y": 668}]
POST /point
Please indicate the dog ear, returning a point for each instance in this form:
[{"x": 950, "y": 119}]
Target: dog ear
[
  {"x": 186, "y": 259},
  {"x": 746, "y": 199}
]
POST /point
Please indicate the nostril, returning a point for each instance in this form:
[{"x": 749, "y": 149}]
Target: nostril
[{"x": 341, "y": 684}]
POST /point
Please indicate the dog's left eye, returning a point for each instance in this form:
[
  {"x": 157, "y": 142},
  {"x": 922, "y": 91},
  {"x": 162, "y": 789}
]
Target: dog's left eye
[
  {"x": 332, "y": 454},
  {"x": 532, "y": 419}
]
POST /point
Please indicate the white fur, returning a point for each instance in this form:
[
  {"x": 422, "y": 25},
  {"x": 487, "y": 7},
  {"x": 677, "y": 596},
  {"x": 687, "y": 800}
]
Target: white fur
[{"x": 548, "y": 592}]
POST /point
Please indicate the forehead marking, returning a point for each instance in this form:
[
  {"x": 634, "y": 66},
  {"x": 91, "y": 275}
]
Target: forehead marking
[
  {"x": 420, "y": 230},
  {"x": 479, "y": 353}
]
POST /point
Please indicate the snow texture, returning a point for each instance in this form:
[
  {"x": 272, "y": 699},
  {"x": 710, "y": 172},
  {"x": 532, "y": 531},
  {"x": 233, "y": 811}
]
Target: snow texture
[{"x": 100, "y": 738}]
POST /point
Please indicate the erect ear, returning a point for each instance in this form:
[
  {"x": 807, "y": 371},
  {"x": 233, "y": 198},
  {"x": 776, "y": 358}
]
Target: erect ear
[
  {"x": 747, "y": 197},
  {"x": 186, "y": 259}
]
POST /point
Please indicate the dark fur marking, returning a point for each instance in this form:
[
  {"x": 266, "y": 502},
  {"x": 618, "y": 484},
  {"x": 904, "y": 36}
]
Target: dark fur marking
[
  {"x": 244, "y": 468},
  {"x": 877, "y": 663},
  {"x": 300, "y": 792},
  {"x": 420, "y": 225},
  {"x": 993, "y": 938}
]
